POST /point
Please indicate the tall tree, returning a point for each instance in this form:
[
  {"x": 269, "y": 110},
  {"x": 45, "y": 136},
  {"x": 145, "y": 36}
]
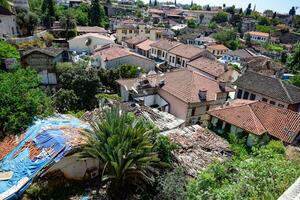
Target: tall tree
[
  {"x": 27, "y": 21},
  {"x": 292, "y": 11},
  {"x": 48, "y": 13},
  {"x": 294, "y": 60},
  {"x": 68, "y": 22},
  {"x": 155, "y": 2},
  {"x": 95, "y": 13}
]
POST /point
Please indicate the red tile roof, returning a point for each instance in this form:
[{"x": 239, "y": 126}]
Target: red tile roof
[
  {"x": 145, "y": 45},
  {"x": 183, "y": 84},
  {"x": 111, "y": 53},
  {"x": 207, "y": 65},
  {"x": 259, "y": 117},
  {"x": 218, "y": 47}
]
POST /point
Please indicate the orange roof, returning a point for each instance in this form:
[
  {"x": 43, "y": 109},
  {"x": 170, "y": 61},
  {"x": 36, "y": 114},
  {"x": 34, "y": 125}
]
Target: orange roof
[
  {"x": 183, "y": 84},
  {"x": 208, "y": 65},
  {"x": 145, "y": 45},
  {"x": 256, "y": 33},
  {"x": 259, "y": 117},
  {"x": 111, "y": 53},
  {"x": 218, "y": 47}
]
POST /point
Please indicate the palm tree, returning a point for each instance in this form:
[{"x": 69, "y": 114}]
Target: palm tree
[{"x": 124, "y": 145}]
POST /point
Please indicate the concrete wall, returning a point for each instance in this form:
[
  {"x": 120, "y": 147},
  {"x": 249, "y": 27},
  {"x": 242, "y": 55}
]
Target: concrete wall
[
  {"x": 76, "y": 169},
  {"x": 78, "y": 44},
  {"x": 178, "y": 108},
  {"x": 8, "y": 25}
]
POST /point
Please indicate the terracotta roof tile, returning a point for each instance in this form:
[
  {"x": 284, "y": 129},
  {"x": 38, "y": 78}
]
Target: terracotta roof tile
[
  {"x": 259, "y": 117},
  {"x": 145, "y": 45},
  {"x": 218, "y": 47},
  {"x": 183, "y": 84},
  {"x": 209, "y": 66},
  {"x": 112, "y": 53},
  {"x": 165, "y": 44},
  {"x": 187, "y": 51},
  {"x": 256, "y": 33}
]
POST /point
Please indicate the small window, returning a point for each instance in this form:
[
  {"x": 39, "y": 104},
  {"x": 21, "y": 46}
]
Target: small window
[
  {"x": 252, "y": 97},
  {"x": 193, "y": 111},
  {"x": 272, "y": 102},
  {"x": 280, "y": 105},
  {"x": 239, "y": 94},
  {"x": 246, "y": 95},
  {"x": 264, "y": 99}
]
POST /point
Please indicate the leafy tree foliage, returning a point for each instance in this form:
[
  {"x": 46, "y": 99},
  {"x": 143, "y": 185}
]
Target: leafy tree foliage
[
  {"x": 8, "y": 51},
  {"x": 5, "y": 4},
  {"x": 95, "y": 13},
  {"x": 196, "y": 7},
  {"x": 48, "y": 13},
  {"x": 220, "y": 17},
  {"x": 68, "y": 21},
  {"x": 248, "y": 11},
  {"x": 294, "y": 60},
  {"x": 124, "y": 145},
  {"x": 65, "y": 100},
  {"x": 265, "y": 174},
  {"x": 228, "y": 38},
  {"x": 264, "y": 21},
  {"x": 21, "y": 100},
  {"x": 296, "y": 80},
  {"x": 27, "y": 20},
  {"x": 265, "y": 29},
  {"x": 84, "y": 84},
  {"x": 292, "y": 11},
  {"x": 191, "y": 23}
]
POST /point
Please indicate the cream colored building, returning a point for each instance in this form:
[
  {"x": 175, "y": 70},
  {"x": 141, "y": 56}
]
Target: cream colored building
[{"x": 129, "y": 31}]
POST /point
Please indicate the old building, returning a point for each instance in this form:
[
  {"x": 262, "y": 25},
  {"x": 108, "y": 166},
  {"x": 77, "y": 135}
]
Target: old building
[
  {"x": 8, "y": 23},
  {"x": 183, "y": 93},
  {"x": 127, "y": 31},
  {"x": 180, "y": 55},
  {"x": 218, "y": 50},
  {"x": 201, "y": 16},
  {"x": 114, "y": 56},
  {"x": 144, "y": 48},
  {"x": 89, "y": 42},
  {"x": 248, "y": 24},
  {"x": 254, "y": 86},
  {"x": 160, "y": 49},
  {"x": 259, "y": 37},
  {"x": 90, "y": 29},
  {"x": 236, "y": 56},
  {"x": 257, "y": 120},
  {"x": 43, "y": 61}
]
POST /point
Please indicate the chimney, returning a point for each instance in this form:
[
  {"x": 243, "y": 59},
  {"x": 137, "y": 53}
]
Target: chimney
[
  {"x": 162, "y": 83},
  {"x": 222, "y": 85},
  {"x": 202, "y": 95}
]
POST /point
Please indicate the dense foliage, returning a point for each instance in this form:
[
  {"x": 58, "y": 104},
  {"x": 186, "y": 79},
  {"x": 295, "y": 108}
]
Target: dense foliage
[
  {"x": 27, "y": 21},
  {"x": 264, "y": 174},
  {"x": 124, "y": 145},
  {"x": 228, "y": 38},
  {"x": 220, "y": 17},
  {"x": 8, "y": 51},
  {"x": 21, "y": 100},
  {"x": 294, "y": 60}
]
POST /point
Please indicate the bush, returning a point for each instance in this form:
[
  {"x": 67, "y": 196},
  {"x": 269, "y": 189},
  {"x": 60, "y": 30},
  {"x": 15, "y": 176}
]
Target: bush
[
  {"x": 8, "y": 51},
  {"x": 264, "y": 174},
  {"x": 164, "y": 146},
  {"x": 171, "y": 186}
]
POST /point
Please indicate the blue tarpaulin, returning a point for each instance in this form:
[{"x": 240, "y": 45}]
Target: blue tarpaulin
[{"x": 53, "y": 137}]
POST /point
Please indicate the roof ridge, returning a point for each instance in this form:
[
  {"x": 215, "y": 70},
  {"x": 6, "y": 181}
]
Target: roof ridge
[
  {"x": 285, "y": 90},
  {"x": 254, "y": 115}
]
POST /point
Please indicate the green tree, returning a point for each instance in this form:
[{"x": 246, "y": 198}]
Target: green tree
[
  {"x": 65, "y": 100},
  {"x": 228, "y": 38},
  {"x": 220, "y": 17},
  {"x": 264, "y": 21},
  {"x": 196, "y": 7},
  {"x": 27, "y": 20},
  {"x": 48, "y": 13},
  {"x": 248, "y": 11},
  {"x": 139, "y": 3},
  {"x": 294, "y": 59},
  {"x": 95, "y": 13},
  {"x": 21, "y": 100},
  {"x": 124, "y": 145},
  {"x": 191, "y": 23},
  {"x": 295, "y": 80},
  {"x": 84, "y": 83},
  {"x": 8, "y": 51},
  {"x": 68, "y": 21}
]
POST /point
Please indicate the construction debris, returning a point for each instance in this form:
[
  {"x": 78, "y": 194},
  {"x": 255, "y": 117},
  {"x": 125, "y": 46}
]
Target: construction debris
[{"x": 197, "y": 148}]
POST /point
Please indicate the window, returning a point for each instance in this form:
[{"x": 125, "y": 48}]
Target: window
[
  {"x": 252, "y": 97},
  {"x": 264, "y": 99},
  {"x": 193, "y": 111},
  {"x": 183, "y": 63},
  {"x": 173, "y": 59},
  {"x": 170, "y": 59},
  {"x": 280, "y": 105},
  {"x": 239, "y": 94},
  {"x": 246, "y": 95},
  {"x": 130, "y": 31},
  {"x": 272, "y": 102},
  {"x": 124, "y": 31}
]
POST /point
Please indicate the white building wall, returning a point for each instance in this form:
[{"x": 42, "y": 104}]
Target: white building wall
[{"x": 8, "y": 25}]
